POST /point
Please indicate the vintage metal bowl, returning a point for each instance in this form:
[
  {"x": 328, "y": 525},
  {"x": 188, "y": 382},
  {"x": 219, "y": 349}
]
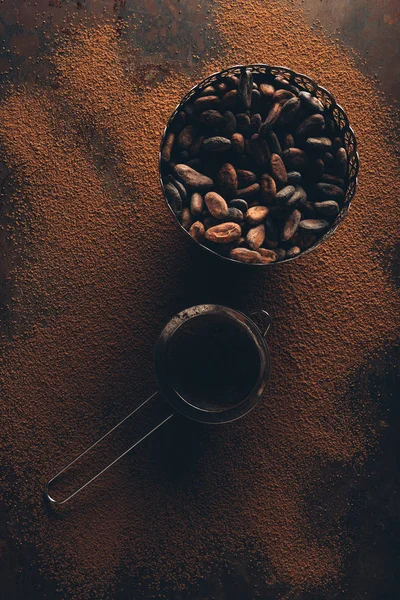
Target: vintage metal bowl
[{"x": 303, "y": 82}]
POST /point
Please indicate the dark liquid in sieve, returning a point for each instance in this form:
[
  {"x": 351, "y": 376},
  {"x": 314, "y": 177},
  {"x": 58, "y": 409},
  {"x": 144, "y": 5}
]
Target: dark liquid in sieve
[{"x": 213, "y": 362}]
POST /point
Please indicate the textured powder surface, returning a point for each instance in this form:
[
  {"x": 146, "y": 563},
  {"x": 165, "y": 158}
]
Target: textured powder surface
[{"x": 97, "y": 267}]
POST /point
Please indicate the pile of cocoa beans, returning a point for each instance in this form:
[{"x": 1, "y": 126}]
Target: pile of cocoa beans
[{"x": 254, "y": 168}]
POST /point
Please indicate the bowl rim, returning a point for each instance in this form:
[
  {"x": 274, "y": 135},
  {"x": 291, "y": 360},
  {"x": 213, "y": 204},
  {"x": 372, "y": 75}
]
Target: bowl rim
[{"x": 274, "y": 70}]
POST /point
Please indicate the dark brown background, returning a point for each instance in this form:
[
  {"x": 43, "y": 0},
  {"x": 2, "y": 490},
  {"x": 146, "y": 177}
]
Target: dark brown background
[{"x": 372, "y": 28}]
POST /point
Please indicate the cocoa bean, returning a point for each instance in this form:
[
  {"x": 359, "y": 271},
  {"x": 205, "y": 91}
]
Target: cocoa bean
[
  {"x": 268, "y": 188},
  {"x": 221, "y": 88},
  {"x": 282, "y": 82},
  {"x": 186, "y": 137},
  {"x": 285, "y": 194},
  {"x": 206, "y": 102},
  {"x": 167, "y": 148},
  {"x": 195, "y": 148},
  {"x": 282, "y": 96},
  {"x": 288, "y": 141},
  {"x": 255, "y": 101},
  {"x": 293, "y": 251},
  {"x": 235, "y": 215},
  {"x": 197, "y": 231},
  {"x": 193, "y": 179},
  {"x": 246, "y": 87},
  {"x": 318, "y": 144},
  {"x": 210, "y": 221},
  {"x": 196, "y": 204},
  {"x": 299, "y": 195},
  {"x": 311, "y": 126},
  {"x": 256, "y": 215},
  {"x": 243, "y": 123},
  {"x": 217, "y": 205},
  {"x": 232, "y": 81},
  {"x": 291, "y": 225},
  {"x": 314, "y": 225},
  {"x": 307, "y": 208},
  {"x": 294, "y": 177},
  {"x": 246, "y": 178},
  {"x": 237, "y": 143},
  {"x": 209, "y": 91},
  {"x": 326, "y": 178},
  {"x": 211, "y": 117},
  {"x": 181, "y": 189},
  {"x": 179, "y": 121},
  {"x": 266, "y": 90},
  {"x": 278, "y": 169},
  {"x": 328, "y": 208},
  {"x": 295, "y": 159},
  {"x": 255, "y": 123},
  {"x": 216, "y": 144},
  {"x": 336, "y": 144},
  {"x": 183, "y": 156},
  {"x": 289, "y": 111},
  {"x": 341, "y": 162},
  {"x": 239, "y": 204},
  {"x": 173, "y": 198},
  {"x": 315, "y": 170},
  {"x": 250, "y": 190},
  {"x": 311, "y": 103},
  {"x": 268, "y": 256},
  {"x": 229, "y": 126},
  {"x": 258, "y": 149},
  {"x": 230, "y": 100},
  {"x": 255, "y": 237},
  {"x": 273, "y": 142},
  {"x": 329, "y": 161},
  {"x": 224, "y": 233},
  {"x": 329, "y": 191},
  {"x": 196, "y": 164},
  {"x": 227, "y": 181},
  {"x": 186, "y": 218},
  {"x": 271, "y": 233},
  {"x": 280, "y": 254},
  {"x": 272, "y": 118},
  {"x": 245, "y": 255}
]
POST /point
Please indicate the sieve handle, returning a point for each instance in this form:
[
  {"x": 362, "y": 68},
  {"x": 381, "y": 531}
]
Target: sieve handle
[
  {"x": 262, "y": 320},
  {"x": 47, "y": 493}
]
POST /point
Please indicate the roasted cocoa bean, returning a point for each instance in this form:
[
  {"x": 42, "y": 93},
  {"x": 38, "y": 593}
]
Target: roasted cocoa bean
[
  {"x": 329, "y": 191},
  {"x": 167, "y": 148},
  {"x": 181, "y": 189},
  {"x": 318, "y": 144},
  {"x": 196, "y": 164},
  {"x": 293, "y": 251},
  {"x": 237, "y": 143},
  {"x": 280, "y": 254},
  {"x": 235, "y": 215},
  {"x": 311, "y": 126},
  {"x": 328, "y": 208},
  {"x": 193, "y": 179},
  {"x": 255, "y": 237},
  {"x": 336, "y": 144},
  {"x": 225, "y": 233},
  {"x": 248, "y": 191},
  {"x": 255, "y": 123},
  {"x": 186, "y": 137},
  {"x": 281, "y": 82},
  {"x": 278, "y": 169},
  {"x": 289, "y": 111},
  {"x": 311, "y": 103},
  {"x": 299, "y": 196},
  {"x": 295, "y": 159},
  {"x": 288, "y": 141},
  {"x": 258, "y": 149},
  {"x": 326, "y": 178},
  {"x": 256, "y": 215},
  {"x": 273, "y": 142},
  {"x": 221, "y": 88},
  {"x": 245, "y": 255},
  {"x": 211, "y": 117},
  {"x": 246, "y": 87},
  {"x": 341, "y": 162},
  {"x": 173, "y": 198},
  {"x": 243, "y": 123},
  {"x": 271, "y": 233},
  {"x": 240, "y": 204},
  {"x": 314, "y": 225},
  {"x": 268, "y": 256},
  {"x": 216, "y": 144},
  {"x": 208, "y": 91},
  {"x": 266, "y": 90},
  {"x": 217, "y": 205},
  {"x": 230, "y": 100},
  {"x": 246, "y": 178},
  {"x": 179, "y": 122},
  {"x": 227, "y": 181},
  {"x": 268, "y": 188},
  {"x": 282, "y": 96},
  {"x": 196, "y": 204},
  {"x": 186, "y": 218},
  {"x": 205, "y": 102},
  {"x": 291, "y": 225},
  {"x": 197, "y": 231},
  {"x": 285, "y": 194},
  {"x": 294, "y": 177},
  {"x": 229, "y": 126},
  {"x": 271, "y": 118}
]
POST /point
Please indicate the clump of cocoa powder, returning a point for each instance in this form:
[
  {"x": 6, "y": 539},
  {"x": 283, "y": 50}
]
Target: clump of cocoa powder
[{"x": 97, "y": 267}]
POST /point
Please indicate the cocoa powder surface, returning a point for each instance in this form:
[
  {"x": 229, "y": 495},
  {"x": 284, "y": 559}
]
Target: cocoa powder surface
[{"x": 97, "y": 266}]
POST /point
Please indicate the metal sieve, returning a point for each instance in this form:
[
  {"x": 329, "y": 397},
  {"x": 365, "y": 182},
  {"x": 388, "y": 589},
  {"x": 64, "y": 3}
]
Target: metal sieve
[
  {"x": 170, "y": 393},
  {"x": 305, "y": 83}
]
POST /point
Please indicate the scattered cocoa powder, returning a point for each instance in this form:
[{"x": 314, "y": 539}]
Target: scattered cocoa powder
[{"x": 97, "y": 266}]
